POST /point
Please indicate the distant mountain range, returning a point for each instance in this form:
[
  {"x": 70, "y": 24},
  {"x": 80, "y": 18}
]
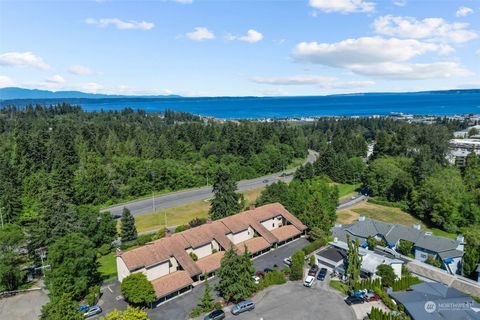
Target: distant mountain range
[{"x": 15, "y": 93}]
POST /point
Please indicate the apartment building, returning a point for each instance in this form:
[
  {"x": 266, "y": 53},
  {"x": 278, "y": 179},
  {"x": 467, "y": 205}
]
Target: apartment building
[{"x": 177, "y": 262}]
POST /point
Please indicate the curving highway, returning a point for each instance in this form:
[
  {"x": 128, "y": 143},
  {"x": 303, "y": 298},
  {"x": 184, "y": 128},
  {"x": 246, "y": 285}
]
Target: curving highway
[{"x": 146, "y": 205}]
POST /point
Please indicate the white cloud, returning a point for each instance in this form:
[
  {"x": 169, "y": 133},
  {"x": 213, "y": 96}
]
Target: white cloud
[
  {"x": 430, "y": 28},
  {"x": 325, "y": 82},
  {"x": 478, "y": 52},
  {"x": 379, "y": 57},
  {"x": 463, "y": 11},
  {"x": 120, "y": 24},
  {"x": 80, "y": 70},
  {"x": 343, "y": 6},
  {"x": 6, "y": 82},
  {"x": 366, "y": 50},
  {"x": 184, "y": 1},
  {"x": 56, "y": 79},
  {"x": 200, "y": 34},
  {"x": 274, "y": 92},
  {"x": 412, "y": 71},
  {"x": 400, "y": 3},
  {"x": 252, "y": 36},
  {"x": 22, "y": 59}
]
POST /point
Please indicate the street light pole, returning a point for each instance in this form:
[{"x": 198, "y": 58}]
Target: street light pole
[{"x": 1, "y": 215}]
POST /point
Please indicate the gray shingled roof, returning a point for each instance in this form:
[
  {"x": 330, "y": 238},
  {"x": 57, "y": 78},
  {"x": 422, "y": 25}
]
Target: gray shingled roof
[
  {"x": 414, "y": 302},
  {"x": 394, "y": 232},
  {"x": 450, "y": 254}
]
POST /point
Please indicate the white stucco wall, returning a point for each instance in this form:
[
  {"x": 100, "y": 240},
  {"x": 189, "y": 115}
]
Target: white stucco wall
[
  {"x": 203, "y": 251},
  {"x": 157, "y": 271},
  {"x": 397, "y": 268},
  {"x": 242, "y": 236},
  {"x": 215, "y": 245},
  {"x": 273, "y": 223},
  {"x": 173, "y": 265},
  {"x": 122, "y": 270}
]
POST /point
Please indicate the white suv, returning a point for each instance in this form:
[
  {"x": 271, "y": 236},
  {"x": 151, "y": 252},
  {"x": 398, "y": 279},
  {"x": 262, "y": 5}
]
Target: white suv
[{"x": 309, "y": 281}]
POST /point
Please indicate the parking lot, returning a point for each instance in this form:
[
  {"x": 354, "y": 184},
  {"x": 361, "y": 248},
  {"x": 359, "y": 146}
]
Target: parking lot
[
  {"x": 294, "y": 301},
  {"x": 23, "y": 306},
  {"x": 180, "y": 307}
]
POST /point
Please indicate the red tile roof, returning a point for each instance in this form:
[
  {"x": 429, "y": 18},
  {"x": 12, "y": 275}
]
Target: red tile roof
[
  {"x": 286, "y": 232},
  {"x": 254, "y": 245},
  {"x": 171, "y": 283},
  {"x": 210, "y": 263}
]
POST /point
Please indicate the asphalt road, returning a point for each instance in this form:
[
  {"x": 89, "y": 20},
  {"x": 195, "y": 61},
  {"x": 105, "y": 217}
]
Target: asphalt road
[{"x": 173, "y": 199}]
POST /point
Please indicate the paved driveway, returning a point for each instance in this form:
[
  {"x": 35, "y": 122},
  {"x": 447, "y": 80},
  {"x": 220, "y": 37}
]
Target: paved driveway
[
  {"x": 23, "y": 306},
  {"x": 294, "y": 301},
  {"x": 180, "y": 307}
]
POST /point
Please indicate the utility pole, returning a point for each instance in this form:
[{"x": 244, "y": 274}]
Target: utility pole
[{"x": 1, "y": 215}]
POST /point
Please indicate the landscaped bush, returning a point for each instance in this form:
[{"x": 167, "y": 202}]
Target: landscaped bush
[
  {"x": 93, "y": 295},
  {"x": 298, "y": 261},
  {"x": 369, "y": 284},
  {"x": 137, "y": 290},
  {"x": 144, "y": 238},
  {"x": 385, "y": 298},
  {"x": 196, "y": 312},
  {"x": 405, "y": 283},
  {"x": 104, "y": 249},
  {"x": 160, "y": 234},
  {"x": 272, "y": 278},
  {"x": 432, "y": 261},
  {"x": 379, "y": 314},
  {"x": 309, "y": 248},
  {"x": 181, "y": 228},
  {"x": 193, "y": 256}
]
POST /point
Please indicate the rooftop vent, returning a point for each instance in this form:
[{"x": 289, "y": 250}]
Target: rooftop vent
[
  {"x": 417, "y": 226},
  {"x": 361, "y": 218}
]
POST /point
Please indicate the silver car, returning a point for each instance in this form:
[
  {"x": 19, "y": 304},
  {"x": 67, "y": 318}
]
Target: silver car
[{"x": 94, "y": 310}]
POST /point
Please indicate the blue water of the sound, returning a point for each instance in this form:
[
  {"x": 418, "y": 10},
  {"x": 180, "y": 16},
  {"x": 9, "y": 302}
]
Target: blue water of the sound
[{"x": 285, "y": 107}]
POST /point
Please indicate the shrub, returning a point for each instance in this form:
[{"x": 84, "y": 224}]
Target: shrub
[
  {"x": 195, "y": 222},
  {"x": 379, "y": 314},
  {"x": 193, "y": 256},
  {"x": 309, "y": 248},
  {"x": 142, "y": 239},
  {"x": 387, "y": 274},
  {"x": 104, "y": 249},
  {"x": 385, "y": 299},
  {"x": 312, "y": 261},
  {"x": 180, "y": 228},
  {"x": 369, "y": 284},
  {"x": 196, "y": 312},
  {"x": 160, "y": 234},
  {"x": 298, "y": 261},
  {"x": 93, "y": 295},
  {"x": 432, "y": 261},
  {"x": 405, "y": 247},
  {"x": 137, "y": 289},
  {"x": 272, "y": 278},
  {"x": 340, "y": 286},
  {"x": 405, "y": 283},
  {"x": 405, "y": 271}
]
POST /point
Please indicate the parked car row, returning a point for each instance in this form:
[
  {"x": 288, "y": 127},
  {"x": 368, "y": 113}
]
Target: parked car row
[
  {"x": 90, "y": 311},
  {"x": 240, "y": 307},
  {"x": 362, "y": 296}
]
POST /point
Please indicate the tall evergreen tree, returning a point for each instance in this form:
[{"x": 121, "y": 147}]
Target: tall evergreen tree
[
  {"x": 354, "y": 262},
  {"x": 128, "y": 230},
  {"x": 235, "y": 273},
  {"x": 226, "y": 201}
]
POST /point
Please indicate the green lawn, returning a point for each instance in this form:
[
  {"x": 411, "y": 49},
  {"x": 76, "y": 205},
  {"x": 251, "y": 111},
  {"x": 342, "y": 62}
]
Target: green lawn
[
  {"x": 108, "y": 266},
  {"x": 395, "y": 215},
  {"x": 345, "y": 189},
  {"x": 340, "y": 286}
]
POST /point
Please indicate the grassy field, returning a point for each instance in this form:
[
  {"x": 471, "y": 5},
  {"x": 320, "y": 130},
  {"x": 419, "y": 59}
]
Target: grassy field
[
  {"x": 108, "y": 266},
  {"x": 184, "y": 213},
  {"x": 347, "y": 189},
  {"x": 385, "y": 214}
]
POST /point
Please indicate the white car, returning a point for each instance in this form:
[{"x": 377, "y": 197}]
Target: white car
[
  {"x": 309, "y": 281},
  {"x": 256, "y": 279},
  {"x": 287, "y": 261}
]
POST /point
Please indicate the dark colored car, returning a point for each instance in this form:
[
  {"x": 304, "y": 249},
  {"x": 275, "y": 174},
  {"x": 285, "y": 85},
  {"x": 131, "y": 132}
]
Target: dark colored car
[
  {"x": 215, "y": 315},
  {"x": 260, "y": 274},
  {"x": 354, "y": 300},
  {"x": 322, "y": 274},
  {"x": 313, "y": 271},
  {"x": 266, "y": 270}
]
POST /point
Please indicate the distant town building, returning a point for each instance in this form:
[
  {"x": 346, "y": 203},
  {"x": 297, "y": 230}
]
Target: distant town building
[{"x": 461, "y": 148}]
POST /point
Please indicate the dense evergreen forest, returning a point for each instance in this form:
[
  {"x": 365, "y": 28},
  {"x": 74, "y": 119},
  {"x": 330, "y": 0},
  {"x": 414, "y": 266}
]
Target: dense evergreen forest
[{"x": 58, "y": 164}]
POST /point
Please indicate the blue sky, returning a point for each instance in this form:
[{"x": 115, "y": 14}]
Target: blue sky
[{"x": 223, "y": 47}]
